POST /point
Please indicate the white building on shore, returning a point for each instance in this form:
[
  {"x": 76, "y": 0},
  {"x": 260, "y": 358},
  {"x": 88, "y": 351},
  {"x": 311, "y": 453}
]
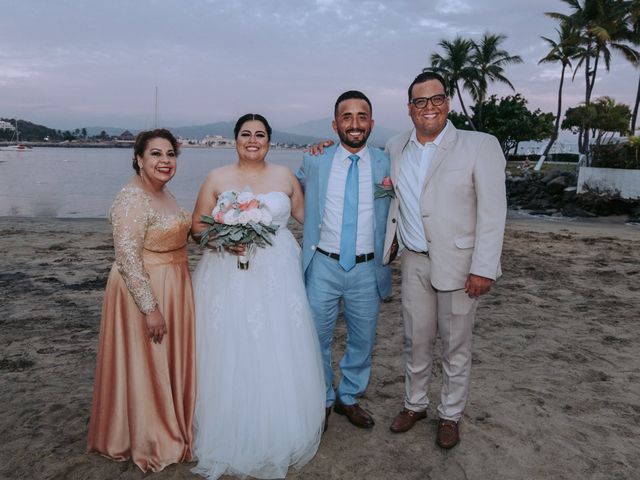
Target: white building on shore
[
  {"x": 218, "y": 141},
  {"x": 6, "y": 126}
]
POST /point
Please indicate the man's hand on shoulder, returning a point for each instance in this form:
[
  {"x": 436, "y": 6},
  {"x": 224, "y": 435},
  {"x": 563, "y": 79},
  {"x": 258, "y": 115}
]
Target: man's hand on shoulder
[
  {"x": 318, "y": 148},
  {"x": 477, "y": 285}
]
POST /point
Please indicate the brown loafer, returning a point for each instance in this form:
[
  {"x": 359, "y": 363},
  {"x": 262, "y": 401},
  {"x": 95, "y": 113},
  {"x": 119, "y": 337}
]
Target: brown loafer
[
  {"x": 448, "y": 435},
  {"x": 405, "y": 420},
  {"x": 355, "y": 414}
]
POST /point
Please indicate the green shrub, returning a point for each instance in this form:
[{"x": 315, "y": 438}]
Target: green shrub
[{"x": 619, "y": 155}]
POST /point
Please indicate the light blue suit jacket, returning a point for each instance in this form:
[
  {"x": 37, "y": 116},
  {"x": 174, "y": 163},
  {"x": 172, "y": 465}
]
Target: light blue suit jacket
[{"x": 313, "y": 175}]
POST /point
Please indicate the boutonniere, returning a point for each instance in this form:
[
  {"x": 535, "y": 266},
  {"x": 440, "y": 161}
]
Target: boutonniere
[{"x": 384, "y": 189}]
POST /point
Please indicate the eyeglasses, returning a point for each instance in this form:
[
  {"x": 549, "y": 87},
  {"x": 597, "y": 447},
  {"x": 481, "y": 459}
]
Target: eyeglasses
[{"x": 422, "y": 102}]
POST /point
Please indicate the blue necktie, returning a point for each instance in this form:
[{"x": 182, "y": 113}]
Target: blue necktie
[{"x": 350, "y": 217}]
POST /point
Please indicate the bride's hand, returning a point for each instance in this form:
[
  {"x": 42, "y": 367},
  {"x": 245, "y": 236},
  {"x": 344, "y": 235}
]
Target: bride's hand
[{"x": 236, "y": 249}]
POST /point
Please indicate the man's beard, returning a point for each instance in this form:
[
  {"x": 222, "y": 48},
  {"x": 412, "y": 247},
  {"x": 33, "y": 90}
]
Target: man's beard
[{"x": 344, "y": 137}]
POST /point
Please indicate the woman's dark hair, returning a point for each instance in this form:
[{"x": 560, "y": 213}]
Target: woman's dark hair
[
  {"x": 248, "y": 117},
  {"x": 142, "y": 140}
]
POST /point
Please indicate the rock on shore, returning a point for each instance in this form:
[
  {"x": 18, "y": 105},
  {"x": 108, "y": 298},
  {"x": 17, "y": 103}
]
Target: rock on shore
[{"x": 554, "y": 193}]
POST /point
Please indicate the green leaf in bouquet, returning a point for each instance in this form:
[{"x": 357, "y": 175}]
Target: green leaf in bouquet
[
  {"x": 207, "y": 219},
  {"x": 236, "y": 236}
]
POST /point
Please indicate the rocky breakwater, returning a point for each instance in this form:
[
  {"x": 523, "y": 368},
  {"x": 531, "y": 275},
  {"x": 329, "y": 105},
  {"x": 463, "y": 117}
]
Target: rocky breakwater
[{"x": 554, "y": 193}]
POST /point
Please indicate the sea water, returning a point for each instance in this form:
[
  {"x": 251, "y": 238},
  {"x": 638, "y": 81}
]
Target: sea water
[{"x": 83, "y": 182}]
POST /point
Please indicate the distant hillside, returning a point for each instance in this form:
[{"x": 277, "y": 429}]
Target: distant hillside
[
  {"x": 225, "y": 129},
  {"x": 200, "y": 131},
  {"x": 111, "y": 131},
  {"x": 322, "y": 128},
  {"x": 29, "y": 132},
  {"x": 302, "y": 134}
]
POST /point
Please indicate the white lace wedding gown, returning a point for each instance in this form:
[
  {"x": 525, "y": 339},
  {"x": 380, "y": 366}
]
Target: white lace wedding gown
[{"x": 260, "y": 389}]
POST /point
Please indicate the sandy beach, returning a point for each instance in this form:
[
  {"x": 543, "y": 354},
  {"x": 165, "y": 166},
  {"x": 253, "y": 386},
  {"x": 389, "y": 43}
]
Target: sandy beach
[{"x": 555, "y": 383}]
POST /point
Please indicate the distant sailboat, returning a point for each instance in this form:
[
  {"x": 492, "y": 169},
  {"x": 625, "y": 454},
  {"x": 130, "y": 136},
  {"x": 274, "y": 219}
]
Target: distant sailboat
[{"x": 16, "y": 146}]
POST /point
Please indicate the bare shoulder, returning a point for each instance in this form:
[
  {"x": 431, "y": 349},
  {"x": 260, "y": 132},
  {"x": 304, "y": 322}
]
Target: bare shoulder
[{"x": 218, "y": 176}]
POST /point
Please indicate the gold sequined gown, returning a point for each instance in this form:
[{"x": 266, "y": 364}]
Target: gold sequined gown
[{"x": 144, "y": 393}]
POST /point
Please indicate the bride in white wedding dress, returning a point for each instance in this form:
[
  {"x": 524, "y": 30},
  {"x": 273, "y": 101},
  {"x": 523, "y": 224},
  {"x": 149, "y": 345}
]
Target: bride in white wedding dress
[{"x": 260, "y": 389}]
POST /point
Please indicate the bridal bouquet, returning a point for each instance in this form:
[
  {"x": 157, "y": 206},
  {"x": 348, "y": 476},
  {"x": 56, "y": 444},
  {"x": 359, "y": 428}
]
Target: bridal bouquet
[{"x": 239, "y": 219}]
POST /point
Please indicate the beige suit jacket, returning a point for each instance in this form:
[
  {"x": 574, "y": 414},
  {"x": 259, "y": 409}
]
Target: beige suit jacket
[{"x": 463, "y": 205}]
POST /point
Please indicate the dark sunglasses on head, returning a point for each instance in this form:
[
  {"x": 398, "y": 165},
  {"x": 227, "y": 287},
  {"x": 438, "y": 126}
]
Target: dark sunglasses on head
[{"x": 436, "y": 100}]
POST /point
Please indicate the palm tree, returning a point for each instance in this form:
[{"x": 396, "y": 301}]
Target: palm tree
[
  {"x": 603, "y": 26},
  {"x": 455, "y": 66},
  {"x": 634, "y": 20},
  {"x": 489, "y": 61},
  {"x": 561, "y": 51}
]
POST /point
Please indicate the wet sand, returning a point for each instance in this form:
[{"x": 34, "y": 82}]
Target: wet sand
[{"x": 556, "y": 364}]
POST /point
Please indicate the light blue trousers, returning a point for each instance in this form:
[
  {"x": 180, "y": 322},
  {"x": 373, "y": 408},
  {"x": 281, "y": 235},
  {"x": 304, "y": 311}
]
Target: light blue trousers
[{"x": 327, "y": 283}]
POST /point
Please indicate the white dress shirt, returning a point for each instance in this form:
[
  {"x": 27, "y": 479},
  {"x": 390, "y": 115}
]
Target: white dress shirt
[
  {"x": 331, "y": 228},
  {"x": 414, "y": 164}
]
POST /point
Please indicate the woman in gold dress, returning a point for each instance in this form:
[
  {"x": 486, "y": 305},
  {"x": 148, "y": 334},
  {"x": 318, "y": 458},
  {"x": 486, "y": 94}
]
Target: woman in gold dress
[{"x": 144, "y": 392}]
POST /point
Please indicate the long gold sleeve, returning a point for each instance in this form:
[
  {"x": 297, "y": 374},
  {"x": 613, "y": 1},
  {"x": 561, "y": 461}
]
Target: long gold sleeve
[{"x": 131, "y": 216}]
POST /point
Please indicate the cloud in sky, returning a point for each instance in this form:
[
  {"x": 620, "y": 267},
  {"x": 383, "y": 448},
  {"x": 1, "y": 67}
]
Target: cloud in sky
[
  {"x": 70, "y": 64},
  {"x": 452, "y": 7}
]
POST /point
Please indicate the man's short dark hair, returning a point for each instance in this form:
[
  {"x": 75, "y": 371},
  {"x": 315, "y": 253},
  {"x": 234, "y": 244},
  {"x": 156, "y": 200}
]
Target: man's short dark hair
[
  {"x": 425, "y": 77},
  {"x": 351, "y": 94}
]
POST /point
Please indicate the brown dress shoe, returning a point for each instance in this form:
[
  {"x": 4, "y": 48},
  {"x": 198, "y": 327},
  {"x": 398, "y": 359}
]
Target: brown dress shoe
[
  {"x": 448, "y": 435},
  {"x": 355, "y": 414},
  {"x": 405, "y": 420}
]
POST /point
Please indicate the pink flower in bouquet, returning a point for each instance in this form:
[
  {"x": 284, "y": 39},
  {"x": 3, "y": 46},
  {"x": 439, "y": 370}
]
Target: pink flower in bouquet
[
  {"x": 386, "y": 182},
  {"x": 251, "y": 204}
]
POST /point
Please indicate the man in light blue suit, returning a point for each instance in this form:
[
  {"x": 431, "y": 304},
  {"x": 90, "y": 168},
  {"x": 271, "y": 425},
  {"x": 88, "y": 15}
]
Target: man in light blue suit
[{"x": 344, "y": 231}]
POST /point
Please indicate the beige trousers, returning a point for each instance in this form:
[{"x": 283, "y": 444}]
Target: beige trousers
[{"x": 427, "y": 312}]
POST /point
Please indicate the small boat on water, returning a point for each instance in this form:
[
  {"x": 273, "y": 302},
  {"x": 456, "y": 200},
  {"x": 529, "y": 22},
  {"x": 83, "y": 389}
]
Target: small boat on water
[
  {"x": 20, "y": 147},
  {"x": 16, "y": 146}
]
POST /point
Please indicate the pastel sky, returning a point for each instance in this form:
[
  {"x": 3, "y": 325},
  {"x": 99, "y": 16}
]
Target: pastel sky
[{"x": 75, "y": 63}]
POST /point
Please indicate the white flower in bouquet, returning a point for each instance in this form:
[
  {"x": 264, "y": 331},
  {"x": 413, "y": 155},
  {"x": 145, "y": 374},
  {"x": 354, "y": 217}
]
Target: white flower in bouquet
[
  {"x": 232, "y": 217},
  {"x": 245, "y": 197},
  {"x": 253, "y": 215}
]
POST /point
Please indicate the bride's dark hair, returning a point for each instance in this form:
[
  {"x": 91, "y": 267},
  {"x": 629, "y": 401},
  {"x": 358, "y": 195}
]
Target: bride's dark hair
[{"x": 248, "y": 117}]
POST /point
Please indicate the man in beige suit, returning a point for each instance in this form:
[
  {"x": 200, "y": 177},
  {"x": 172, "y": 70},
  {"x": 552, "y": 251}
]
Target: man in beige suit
[{"x": 448, "y": 221}]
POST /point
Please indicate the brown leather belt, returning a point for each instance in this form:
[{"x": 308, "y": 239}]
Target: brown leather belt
[{"x": 365, "y": 257}]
